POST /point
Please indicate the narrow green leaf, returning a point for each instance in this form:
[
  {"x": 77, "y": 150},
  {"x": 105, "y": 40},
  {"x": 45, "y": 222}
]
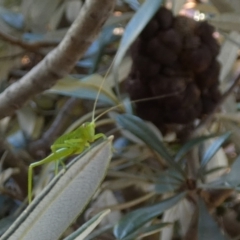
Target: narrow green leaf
[
  {"x": 211, "y": 151},
  {"x": 136, "y": 219},
  {"x": 190, "y": 144},
  {"x": 53, "y": 209},
  {"x": 232, "y": 178},
  {"x": 168, "y": 181},
  {"x": 88, "y": 227},
  {"x": 37, "y": 13},
  {"x": 215, "y": 169},
  {"x": 87, "y": 88},
  {"x": 227, "y": 181},
  {"x": 13, "y": 19},
  {"x": 105, "y": 38},
  {"x": 134, "y": 4},
  {"x": 135, "y": 26},
  {"x": 207, "y": 227},
  {"x": 146, "y": 231},
  {"x": 138, "y": 127},
  {"x": 103, "y": 229}
]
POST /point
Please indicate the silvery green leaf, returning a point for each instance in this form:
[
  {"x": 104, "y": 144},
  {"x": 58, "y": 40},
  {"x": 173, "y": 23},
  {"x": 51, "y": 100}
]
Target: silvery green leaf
[{"x": 64, "y": 198}]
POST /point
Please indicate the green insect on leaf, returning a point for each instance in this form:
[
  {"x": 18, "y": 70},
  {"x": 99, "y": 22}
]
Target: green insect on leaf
[
  {"x": 69, "y": 144},
  {"x": 78, "y": 140}
]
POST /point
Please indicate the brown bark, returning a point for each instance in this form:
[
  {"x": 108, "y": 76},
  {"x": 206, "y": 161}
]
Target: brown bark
[{"x": 59, "y": 62}]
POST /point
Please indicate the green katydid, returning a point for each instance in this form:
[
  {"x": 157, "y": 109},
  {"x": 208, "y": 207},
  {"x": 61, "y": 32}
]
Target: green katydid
[
  {"x": 77, "y": 141},
  {"x": 69, "y": 144}
]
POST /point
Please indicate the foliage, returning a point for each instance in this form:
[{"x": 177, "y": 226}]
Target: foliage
[{"x": 156, "y": 186}]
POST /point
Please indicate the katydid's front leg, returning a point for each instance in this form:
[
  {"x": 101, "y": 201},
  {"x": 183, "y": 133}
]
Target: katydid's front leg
[
  {"x": 61, "y": 153},
  {"x": 74, "y": 144},
  {"x": 99, "y": 135}
]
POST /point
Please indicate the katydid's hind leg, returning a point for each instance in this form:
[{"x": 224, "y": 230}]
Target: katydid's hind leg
[
  {"x": 66, "y": 144},
  {"x": 53, "y": 157},
  {"x": 30, "y": 181},
  {"x": 30, "y": 178},
  {"x": 99, "y": 135},
  {"x": 56, "y": 147}
]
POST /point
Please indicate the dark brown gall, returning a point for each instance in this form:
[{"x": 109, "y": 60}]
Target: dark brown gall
[
  {"x": 198, "y": 59},
  {"x": 171, "y": 39},
  {"x": 150, "y": 30},
  {"x": 164, "y": 18},
  {"x": 208, "y": 77}
]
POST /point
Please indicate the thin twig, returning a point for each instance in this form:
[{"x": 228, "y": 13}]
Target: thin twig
[
  {"x": 10, "y": 57},
  {"x": 32, "y": 47},
  {"x": 129, "y": 204},
  {"x": 60, "y": 61}
]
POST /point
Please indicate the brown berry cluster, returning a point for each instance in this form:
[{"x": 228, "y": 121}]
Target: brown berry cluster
[{"x": 174, "y": 54}]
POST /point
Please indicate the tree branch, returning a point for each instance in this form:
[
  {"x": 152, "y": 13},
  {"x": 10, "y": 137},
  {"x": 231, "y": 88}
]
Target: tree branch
[{"x": 59, "y": 62}]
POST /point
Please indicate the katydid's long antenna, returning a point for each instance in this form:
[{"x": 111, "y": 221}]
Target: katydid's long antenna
[
  {"x": 99, "y": 90},
  {"x": 141, "y": 100}
]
